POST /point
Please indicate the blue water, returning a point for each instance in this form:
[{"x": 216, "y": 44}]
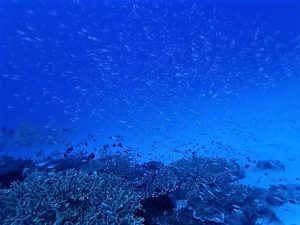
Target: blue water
[{"x": 166, "y": 76}]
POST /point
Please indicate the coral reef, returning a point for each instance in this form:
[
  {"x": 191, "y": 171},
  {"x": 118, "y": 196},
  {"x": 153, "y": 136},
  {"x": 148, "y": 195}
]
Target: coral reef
[
  {"x": 150, "y": 179},
  {"x": 69, "y": 197},
  {"x": 207, "y": 193},
  {"x": 116, "y": 189}
]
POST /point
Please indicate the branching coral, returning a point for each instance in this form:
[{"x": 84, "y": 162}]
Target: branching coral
[
  {"x": 209, "y": 170},
  {"x": 69, "y": 197},
  {"x": 156, "y": 182},
  {"x": 212, "y": 196},
  {"x": 110, "y": 190},
  {"x": 150, "y": 179}
]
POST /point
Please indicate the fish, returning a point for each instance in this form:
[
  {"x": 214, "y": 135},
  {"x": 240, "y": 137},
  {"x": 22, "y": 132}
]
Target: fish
[
  {"x": 68, "y": 151},
  {"x": 278, "y": 199},
  {"x": 292, "y": 201},
  {"x": 212, "y": 194},
  {"x": 116, "y": 137},
  {"x": 236, "y": 206},
  {"x": 238, "y": 211},
  {"x": 126, "y": 148},
  {"x": 120, "y": 145},
  {"x": 91, "y": 156}
]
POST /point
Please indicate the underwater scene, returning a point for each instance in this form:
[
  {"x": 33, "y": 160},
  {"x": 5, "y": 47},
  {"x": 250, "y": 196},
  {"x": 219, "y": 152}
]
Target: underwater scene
[{"x": 154, "y": 112}]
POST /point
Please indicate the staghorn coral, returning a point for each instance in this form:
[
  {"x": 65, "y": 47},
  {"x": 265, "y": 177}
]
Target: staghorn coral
[
  {"x": 150, "y": 179},
  {"x": 69, "y": 197},
  {"x": 211, "y": 195},
  {"x": 120, "y": 165},
  {"x": 189, "y": 191},
  {"x": 155, "y": 183},
  {"x": 211, "y": 171}
]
